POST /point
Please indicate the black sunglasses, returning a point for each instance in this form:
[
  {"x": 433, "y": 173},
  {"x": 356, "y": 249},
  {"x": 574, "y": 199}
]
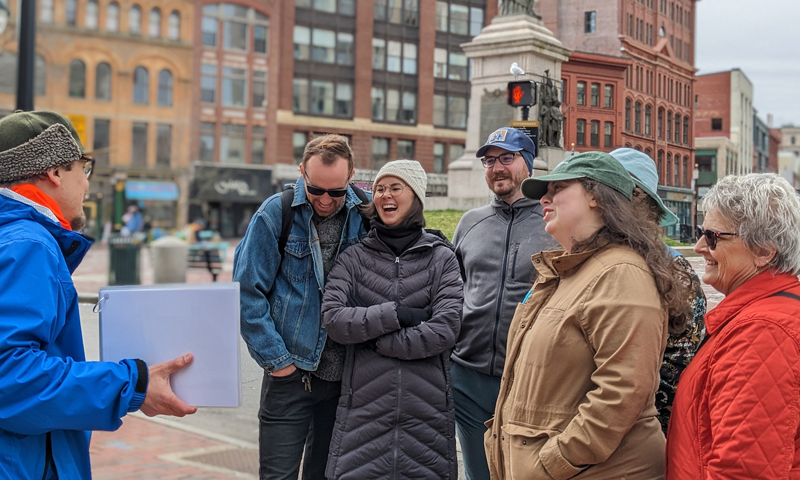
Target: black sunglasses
[
  {"x": 711, "y": 237},
  {"x": 318, "y": 192}
]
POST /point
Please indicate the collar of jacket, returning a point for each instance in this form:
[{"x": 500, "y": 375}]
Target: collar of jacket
[
  {"x": 36, "y": 195},
  {"x": 558, "y": 263},
  {"x": 300, "y": 197},
  {"x": 73, "y": 245},
  {"x": 761, "y": 286},
  {"x": 503, "y": 209},
  {"x": 427, "y": 240}
]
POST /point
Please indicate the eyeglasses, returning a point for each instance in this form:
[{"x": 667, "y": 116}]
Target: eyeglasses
[
  {"x": 88, "y": 167},
  {"x": 711, "y": 237},
  {"x": 504, "y": 159},
  {"x": 395, "y": 189},
  {"x": 318, "y": 192}
]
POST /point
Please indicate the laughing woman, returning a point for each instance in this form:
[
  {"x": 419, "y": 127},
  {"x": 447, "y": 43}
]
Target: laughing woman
[
  {"x": 395, "y": 301},
  {"x": 577, "y": 399}
]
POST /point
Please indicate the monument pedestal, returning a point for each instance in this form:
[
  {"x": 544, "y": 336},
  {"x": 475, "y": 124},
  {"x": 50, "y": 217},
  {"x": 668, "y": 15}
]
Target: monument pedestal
[{"x": 522, "y": 39}]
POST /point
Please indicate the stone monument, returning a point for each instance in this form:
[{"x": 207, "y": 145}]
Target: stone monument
[{"x": 516, "y": 35}]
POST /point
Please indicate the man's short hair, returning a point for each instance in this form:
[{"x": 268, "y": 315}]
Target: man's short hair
[{"x": 328, "y": 147}]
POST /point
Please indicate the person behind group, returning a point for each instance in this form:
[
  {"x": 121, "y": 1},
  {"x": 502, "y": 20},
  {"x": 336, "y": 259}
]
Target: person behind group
[
  {"x": 736, "y": 408},
  {"x": 281, "y": 294},
  {"x": 682, "y": 343},
  {"x": 577, "y": 398},
  {"x": 494, "y": 245},
  {"x": 395, "y": 301},
  {"x": 50, "y": 396}
]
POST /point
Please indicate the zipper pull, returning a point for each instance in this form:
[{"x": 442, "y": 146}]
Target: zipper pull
[{"x": 307, "y": 382}]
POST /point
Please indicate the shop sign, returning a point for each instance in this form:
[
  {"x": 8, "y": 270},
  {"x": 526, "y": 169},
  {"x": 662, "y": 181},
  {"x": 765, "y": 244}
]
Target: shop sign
[{"x": 212, "y": 183}]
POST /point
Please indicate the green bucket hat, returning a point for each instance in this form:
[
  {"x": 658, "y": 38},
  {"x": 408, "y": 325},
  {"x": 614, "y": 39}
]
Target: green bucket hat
[
  {"x": 32, "y": 143},
  {"x": 598, "y": 166}
]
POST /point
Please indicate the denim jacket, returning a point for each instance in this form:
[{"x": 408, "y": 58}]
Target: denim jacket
[{"x": 280, "y": 300}]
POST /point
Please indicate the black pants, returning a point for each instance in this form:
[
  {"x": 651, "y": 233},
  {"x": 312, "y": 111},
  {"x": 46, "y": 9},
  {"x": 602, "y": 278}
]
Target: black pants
[{"x": 295, "y": 423}]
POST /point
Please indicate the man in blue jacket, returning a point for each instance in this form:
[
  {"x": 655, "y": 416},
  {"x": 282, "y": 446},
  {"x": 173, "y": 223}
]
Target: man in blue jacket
[
  {"x": 281, "y": 295},
  {"x": 50, "y": 396}
]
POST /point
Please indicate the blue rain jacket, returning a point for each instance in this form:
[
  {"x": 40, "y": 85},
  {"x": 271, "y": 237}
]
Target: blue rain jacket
[{"x": 48, "y": 392}]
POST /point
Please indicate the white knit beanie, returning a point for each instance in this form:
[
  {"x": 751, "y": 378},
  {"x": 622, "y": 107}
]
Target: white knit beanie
[{"x": 411, "y": 172}]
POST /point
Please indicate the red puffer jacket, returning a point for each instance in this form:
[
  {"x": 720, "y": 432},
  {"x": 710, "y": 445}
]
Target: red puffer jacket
[{"x": 737, "y": 409}]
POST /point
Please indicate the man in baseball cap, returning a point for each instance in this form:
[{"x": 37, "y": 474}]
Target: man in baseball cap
[
  {"x": 50, "y": 397},
  {"x": 494, "y": 245}
]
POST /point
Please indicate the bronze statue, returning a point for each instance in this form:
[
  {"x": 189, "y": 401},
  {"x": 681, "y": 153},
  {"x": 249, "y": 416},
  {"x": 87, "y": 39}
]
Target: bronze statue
[
  {"x": 550, "y": 116},
  {"x": 517, "y": 7}
]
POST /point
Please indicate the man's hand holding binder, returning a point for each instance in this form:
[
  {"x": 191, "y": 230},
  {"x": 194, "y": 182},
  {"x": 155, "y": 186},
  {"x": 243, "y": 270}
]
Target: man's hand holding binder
[{"x": 160, "y": 399}]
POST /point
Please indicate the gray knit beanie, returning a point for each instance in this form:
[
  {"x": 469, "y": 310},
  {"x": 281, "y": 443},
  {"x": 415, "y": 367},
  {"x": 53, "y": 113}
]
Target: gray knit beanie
[
  {"x": 411, "y": 172},
  {"x": 32, "y": 143}
]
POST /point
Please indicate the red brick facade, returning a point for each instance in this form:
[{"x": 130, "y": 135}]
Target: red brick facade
[{"x": 713, "y": 109}]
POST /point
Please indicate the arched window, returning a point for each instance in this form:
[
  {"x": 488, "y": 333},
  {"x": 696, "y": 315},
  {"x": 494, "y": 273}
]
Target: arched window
[
  {"x": 661, "y": 167},
  {"x": 669, "y": 126},
  {"x": 154, "y": 26},
  {"x": 102, "y": 81},
  {"x": 686, "y": 129},
  {"x": 90, "y": 17},
  {"x": 677, "y": 128},
  {"x": 637, "y": 117},
  {"x": 165, "y": 88},
  {"x": 677, "y": 170},
  {"x": 46, "y": 11},
  {"x": 112, "y": 17},
  {"x": 668, "y": 178},
  {"x": 580, "y": 131},
  {"x": 174, "y": 30},
  {"x": 77, "y": 79},
  {"x": 135, "y": 20},
  {"x": 660, "y": 123},
  {"x": 648, "y": 115},
  {"x": 686, "y": 171},
  {"x": 71, "y": 10},
  {"x": 628, "y": 114},
  {"x": 141, "y": 80}
]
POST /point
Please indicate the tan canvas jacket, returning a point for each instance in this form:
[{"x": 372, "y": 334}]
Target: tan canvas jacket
[{"x": 577, "y": 398}]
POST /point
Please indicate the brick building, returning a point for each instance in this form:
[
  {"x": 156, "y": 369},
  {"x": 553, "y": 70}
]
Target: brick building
[
  {"x": 122, "y": 72},
  {"x": 654, "y": 103}
]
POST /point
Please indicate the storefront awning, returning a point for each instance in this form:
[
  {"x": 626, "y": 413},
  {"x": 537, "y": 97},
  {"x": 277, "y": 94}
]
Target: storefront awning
[{"x": 137, "y": 190}]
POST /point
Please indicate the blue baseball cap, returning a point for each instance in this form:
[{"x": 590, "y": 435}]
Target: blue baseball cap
[
  {"x": 643, "y": 170},
  {"x": 513, "y": 140}
]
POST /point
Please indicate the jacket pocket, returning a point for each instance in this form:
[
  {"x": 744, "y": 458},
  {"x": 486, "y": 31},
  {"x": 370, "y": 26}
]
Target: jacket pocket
[
  {"x": 538, "y": 351},
  {"x": 521, "y": 446},
  {"x": 297, "y": 265}
]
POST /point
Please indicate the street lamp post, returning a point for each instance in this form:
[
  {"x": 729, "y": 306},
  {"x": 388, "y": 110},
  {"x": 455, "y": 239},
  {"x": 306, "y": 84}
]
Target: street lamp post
[{"x": 26, "y": 36}]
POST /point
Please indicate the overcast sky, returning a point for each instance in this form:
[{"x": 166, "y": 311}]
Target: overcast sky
[{"x": 760, "y": 37}]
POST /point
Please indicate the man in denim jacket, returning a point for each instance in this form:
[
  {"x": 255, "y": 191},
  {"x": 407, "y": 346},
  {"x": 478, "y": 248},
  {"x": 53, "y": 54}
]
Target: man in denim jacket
[{"x": 280, "y": 309}]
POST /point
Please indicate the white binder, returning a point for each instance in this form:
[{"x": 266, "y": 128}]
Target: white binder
[{"x": 157, "y": 323}]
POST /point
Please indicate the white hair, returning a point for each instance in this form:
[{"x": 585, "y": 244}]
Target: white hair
[{"x": 765, "y": 211}]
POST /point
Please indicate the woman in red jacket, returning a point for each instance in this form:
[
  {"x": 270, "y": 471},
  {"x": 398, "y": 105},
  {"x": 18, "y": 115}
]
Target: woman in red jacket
[{"x": 737, "y": 408}]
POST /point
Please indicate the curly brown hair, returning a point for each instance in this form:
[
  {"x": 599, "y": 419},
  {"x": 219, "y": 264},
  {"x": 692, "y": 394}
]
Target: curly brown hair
[{"x": 632, "y": 223}]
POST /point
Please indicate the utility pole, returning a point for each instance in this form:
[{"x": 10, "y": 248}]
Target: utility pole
[{"x": 26, "y": 57}]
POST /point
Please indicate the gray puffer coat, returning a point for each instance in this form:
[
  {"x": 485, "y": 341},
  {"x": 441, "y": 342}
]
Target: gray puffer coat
[{"x": 395, "y": 417}]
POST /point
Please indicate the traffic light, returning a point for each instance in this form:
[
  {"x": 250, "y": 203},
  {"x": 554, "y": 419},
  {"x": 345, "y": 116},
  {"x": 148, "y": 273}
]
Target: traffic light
[{"x": 521, "y": 94}]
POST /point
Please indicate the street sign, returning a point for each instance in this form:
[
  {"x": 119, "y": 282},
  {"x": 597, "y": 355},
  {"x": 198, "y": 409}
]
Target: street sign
[
  {"x": 79, "y": 122},
  {"x": 522, "y": 94},
  {"x": 529, "y": 128}
]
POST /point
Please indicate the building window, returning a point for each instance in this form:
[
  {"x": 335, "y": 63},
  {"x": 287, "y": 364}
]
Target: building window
[
  {"x": 668, "y": 178},
  {"x": 637, "y": 117},
  {"x": 90, "y": 17},
  {"x": 232, "y": 144},
  {"x": 346, "y": 7},
  {"x": 299, "y": 140},
  {"x": 139, "y": 145},
  {"x": 628, "y": 114},
  {"x": 102, "y": 81},
  {"x": 322, "y": 97},
  {"x": 207, "y": 136},
  {"x": 260, "y": 38},
  {"x": 300, "y": 95},
  {"x": 456, "y": 151},
  {"x": 323, "y": 45},
  {"x": 379, "y": 104},
  {"x": 71, "y": 12},
  {"x": 234, "y": 35},
  {"x": 135, "y": 20},
  {"x": 165, "y": 88},
  {"x": 401, "y": 12},
  {"x": 392, "y": 105},
  {"x": 686, "y": 182},
  {"x": 475, "y": 21},
  {"x": 394, "y": 56},
  {"x": 450, "y": 111},
  {"x": 378, "y": 53},
  {"x": 660, "y": 166},
  {"x": 344, "y": 100},
  {"x": 440, "y": 63},
  {"x": 458, "y": 68},
  {"x": 112, "y": 17},
  {"x": 580, "y": 132},
  {"x": 380, "y": 152},
  {"x": 648, "y": 114},
  {"x": 259, "y": 89},
  {"x": 439, "y": 110},
  {"x": 459, "y": 19},
  {"x": 46, "y": 11},
  {"x": 590, "y": 22},
  {"x": 608, "y": 135},
  {"x": 677, "y": 128},
  {"x": 210, "y": 30},
  {"x": 595, "y": 95},
  {"x": 257, "y": 146},
  {"x": 581, "y": 93},
  {"x": 234, "y": 87},
  {"x": 669, "y": 126},
  {"x": 208, "y": 83},
  {"x": 438, "y": 157},
  {"x": 405, "y": 149},
  {"x": 101, "y": 141},
  {"x": 345, "y": 52},
  {"x": 77, "y": 79},
  {"x": 174, "y": 26},
  {"x": 154, "y": 26},
  {"x": 677, "y": 170},
  {"x": 163, "y": 145},
  {"x": 594, "y": 136},
  {"x": 660, "y": 123},
  {"x": 716, "y": 124},
  {"x": 686, "y": 130},
  {"x": 609, "y": 97},
  {"x": 141, "y": 81}
]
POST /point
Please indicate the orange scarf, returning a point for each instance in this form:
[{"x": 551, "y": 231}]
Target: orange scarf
[{"x": 33, "y": 194}]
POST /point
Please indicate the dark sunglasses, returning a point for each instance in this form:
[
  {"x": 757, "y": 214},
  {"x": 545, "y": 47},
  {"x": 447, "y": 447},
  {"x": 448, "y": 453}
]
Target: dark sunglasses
[
  {"x": 711, "y": 237},
  {"x": 318, "y": 192}
]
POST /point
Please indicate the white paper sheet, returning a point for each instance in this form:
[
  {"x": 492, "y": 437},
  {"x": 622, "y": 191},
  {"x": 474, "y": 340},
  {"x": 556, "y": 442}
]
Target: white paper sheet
[{"x": 157, "y": 323}]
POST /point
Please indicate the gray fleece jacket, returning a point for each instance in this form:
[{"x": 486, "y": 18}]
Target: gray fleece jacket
[{"x": 494, "y": 245}]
